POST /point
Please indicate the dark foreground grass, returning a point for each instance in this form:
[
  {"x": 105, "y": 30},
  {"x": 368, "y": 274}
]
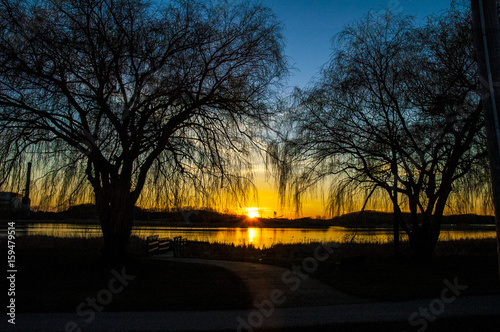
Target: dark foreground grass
[
  {"x": 371, "y": 271},
  {"x": 58, "y": 275},
  {"x": 387, "y": 279},
  {"x": 378, "y": 275}
]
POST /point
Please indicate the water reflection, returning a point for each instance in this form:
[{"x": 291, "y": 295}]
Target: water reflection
[
  {"x": 259, "y": 237},
  {"x": 252, "y": 233}
]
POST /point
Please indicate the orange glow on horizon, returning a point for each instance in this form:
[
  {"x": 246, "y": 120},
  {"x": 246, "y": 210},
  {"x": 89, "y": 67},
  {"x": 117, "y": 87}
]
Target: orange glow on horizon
[{"x": 263, "y": 201}]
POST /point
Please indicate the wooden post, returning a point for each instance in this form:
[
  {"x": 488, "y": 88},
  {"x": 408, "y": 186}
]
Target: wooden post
[
  {"x": 487, "y": 40},
  {"x": 26, "y": 201}
]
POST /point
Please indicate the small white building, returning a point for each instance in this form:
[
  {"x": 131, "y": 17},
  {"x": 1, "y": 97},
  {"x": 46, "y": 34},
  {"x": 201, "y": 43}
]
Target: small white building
[{"x": 10, "y": 201}]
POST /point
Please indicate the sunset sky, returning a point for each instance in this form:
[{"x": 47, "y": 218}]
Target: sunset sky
[{"x": 309, "y": 26}]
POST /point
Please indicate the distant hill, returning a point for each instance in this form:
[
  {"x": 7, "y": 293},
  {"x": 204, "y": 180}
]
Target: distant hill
[
  {"x": 89, "y": 211},
  {"x": 373, "y": 219},
  {"x": 207, "y": 218}
]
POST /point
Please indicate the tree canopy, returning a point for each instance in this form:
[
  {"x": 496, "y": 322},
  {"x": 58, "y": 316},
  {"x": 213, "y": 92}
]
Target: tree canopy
[
  {"x": 395, "y": 112},
  {"x": 128, "y": 94}
]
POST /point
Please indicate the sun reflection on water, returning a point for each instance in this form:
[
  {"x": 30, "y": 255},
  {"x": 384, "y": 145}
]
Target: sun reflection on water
[{"x": 252, "y": 233}]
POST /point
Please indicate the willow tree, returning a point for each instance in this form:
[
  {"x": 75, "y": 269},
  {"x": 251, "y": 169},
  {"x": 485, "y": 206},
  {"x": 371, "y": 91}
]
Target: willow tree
[
  {"x": 131, "y": 93},
  {"x": 397, "y": 112}
]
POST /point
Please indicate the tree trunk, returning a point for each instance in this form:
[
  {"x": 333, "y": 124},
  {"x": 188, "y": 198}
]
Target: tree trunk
[
  {"x": 115, "y": 209},
  {"x": 397, "y": 211},
  {"x": 395, "y": 204},
  {"x": 421, "y": 239},
  {"x": 398, "y": 220},
  {"x": 426, "y": 228},
  {"x": 423, "y": 247},
  {"x": 397, "y": 246},
  {"x": 415, "y": 231}
]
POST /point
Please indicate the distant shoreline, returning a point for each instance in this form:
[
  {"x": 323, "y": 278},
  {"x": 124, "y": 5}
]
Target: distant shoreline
[
  {"x": 467, "y": 222},
  {"x": 86, "y": 214}
]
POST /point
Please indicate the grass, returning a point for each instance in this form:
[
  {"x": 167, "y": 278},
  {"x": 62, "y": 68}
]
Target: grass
[
  {"x": 389, "y": 280},
  {"x": 57, "y": 275},
  {"x": 380, "y": 276}
]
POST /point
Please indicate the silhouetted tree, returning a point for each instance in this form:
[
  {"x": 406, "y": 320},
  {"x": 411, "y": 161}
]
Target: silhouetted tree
[
  {"x": 129, "y": 93},
  {"x": 396, "y": 111}
]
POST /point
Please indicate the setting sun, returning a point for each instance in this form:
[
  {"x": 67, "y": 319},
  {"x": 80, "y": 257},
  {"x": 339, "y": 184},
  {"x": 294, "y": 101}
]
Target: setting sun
[{"x": 252, "y": 212}]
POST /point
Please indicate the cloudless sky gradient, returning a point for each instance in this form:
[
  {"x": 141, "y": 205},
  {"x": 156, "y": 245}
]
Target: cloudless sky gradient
[{"x": 309, "y": 26}]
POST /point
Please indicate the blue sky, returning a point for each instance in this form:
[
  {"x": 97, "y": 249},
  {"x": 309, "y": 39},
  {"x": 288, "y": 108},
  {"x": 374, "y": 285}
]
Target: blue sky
[{"x": 311, "y": 24}]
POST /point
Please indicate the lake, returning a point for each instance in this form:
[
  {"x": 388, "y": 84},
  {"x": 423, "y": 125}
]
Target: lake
[{"x": 259, "y": 237}]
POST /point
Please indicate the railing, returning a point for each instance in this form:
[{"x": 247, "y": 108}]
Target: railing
[{"x": 161, "y": 246}]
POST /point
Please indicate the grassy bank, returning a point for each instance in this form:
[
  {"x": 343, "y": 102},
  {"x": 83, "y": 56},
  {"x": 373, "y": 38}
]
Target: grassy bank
[{"x": 58, "y": 275}]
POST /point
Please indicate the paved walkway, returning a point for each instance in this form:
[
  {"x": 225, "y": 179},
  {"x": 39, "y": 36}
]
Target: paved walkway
[
  {"x": 243, "y": 320},
  {"x": 301, "y": 303},
  {"x": 296, "y": 289}
]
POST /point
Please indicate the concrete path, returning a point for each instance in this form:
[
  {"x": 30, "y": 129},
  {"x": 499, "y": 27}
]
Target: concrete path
[
  {"x": 246, "y": 320},
  {"x": 288, "y": 288}
]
